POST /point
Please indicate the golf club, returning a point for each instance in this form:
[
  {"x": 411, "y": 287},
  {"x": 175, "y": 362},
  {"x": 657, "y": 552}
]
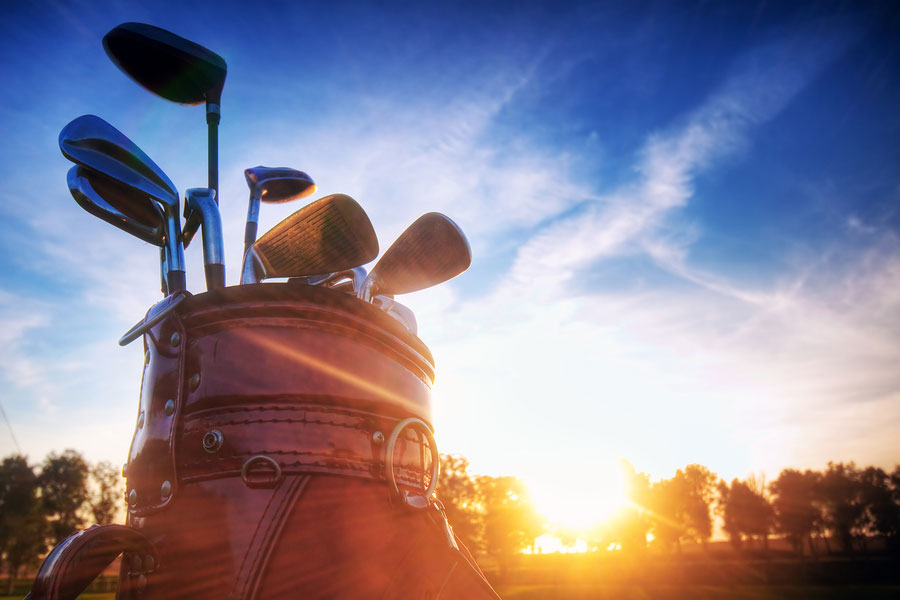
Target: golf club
[
  {"x": 431, "y": 250},
  {"x": 202, "y": 201},
  {"x": 273, "y": 185},
  {"x": 96, "y": 194},
  {"x": 102, "y": 196},
  {"x": 398, "y": 311},
  {"x": 352, "y": 278},
  {"x": 329, "y": 235},
  {"x": 92, "y": 142},
  {"x": 178, "y": 70}
]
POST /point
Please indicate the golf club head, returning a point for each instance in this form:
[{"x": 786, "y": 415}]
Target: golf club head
[
  {"x": 431, "y": 250},
  {"x": 329, "y": 235},
  {"x": 354, "y": 277},
  {"x": 203, "y": 201},
  {"x": 273, "y": 185},
  {"x": 166, "y": 64},
  {"x": 178, "y": 70},
  {"x": 92, "y": 142},
  {"x": 117, "y": 205},
  {"x": 398, "y": 311}
]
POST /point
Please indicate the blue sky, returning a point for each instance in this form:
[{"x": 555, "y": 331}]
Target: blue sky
[{"x": 684, "y": 217}]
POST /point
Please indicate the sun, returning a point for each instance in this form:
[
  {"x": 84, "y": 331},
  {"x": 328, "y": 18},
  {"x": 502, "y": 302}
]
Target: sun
[{"x": 579, "y": 500}]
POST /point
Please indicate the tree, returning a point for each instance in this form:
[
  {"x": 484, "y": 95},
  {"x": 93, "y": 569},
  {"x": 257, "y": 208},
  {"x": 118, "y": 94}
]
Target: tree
[
  {"x": 458, "y": 492},
  {"x": 681, "y": 506},
  {"x": 745, "y": 511},
  {"x": 699, "y": 492},
  {"x": 22, "y": 523},
  {"x": 63, "y": 486},
  {"x": 511, "y": 523},
  {"x": 796, "y": 512},
  {"x": 632, "y": 525},
  {"x": 841, "y": 495},
  {"x": 665, "y": 513},
  {"x": 882, "y": 511},
  {"x": 106, "y": 493}
]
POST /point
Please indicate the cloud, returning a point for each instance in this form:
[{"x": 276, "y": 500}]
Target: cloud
[{"x": 704, "y": 368}]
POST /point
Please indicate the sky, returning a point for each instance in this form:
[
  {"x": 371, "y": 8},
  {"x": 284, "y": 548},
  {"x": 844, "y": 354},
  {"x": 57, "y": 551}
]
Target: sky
[{"x": 684, "y": 217}]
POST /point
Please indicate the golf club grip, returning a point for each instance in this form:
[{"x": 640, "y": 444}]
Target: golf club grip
[
  {"x": 215, "y": 276},
  {"x": 176, "y": 281}
]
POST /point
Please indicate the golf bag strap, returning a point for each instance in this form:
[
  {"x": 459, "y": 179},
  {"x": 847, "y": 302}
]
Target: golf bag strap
[
  {"x": 464, "y": 580},
  {"x": 268, "y": 531},
  {"x": 303, "y": 438},
  {"x": 76, "y": 561}
]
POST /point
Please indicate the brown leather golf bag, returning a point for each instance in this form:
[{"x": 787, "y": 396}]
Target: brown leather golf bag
[{"x": 283, "y": 449}]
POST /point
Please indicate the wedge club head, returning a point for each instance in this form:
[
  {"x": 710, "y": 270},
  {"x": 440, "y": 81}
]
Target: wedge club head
[
  {"x": 329, "y": 235},
  {"x": 431, "y": 250},
  {"x": 93, "y": 143},
  {"x": 203, "y": 202},
  {"x": 178, "y": 70},
  {"x": 273, "y": 185}
]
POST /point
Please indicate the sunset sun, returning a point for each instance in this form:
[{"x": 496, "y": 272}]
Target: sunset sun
[{"x": 580, "y": 501}]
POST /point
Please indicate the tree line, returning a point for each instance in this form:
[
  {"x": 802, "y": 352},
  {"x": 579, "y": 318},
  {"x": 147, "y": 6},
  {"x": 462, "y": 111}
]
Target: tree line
[
  {"x": 41, "y": 505},
  {"x": 843, "y": 506}
]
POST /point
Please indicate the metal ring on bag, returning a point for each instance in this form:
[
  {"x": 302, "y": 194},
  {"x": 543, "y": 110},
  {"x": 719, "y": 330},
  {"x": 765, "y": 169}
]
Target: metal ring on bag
[
  {"x": 245, "y": 471},
  {"x": 389, "y": 458}
]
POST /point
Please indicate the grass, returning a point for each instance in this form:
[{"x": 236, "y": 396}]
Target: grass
[
  {"x": 665, "y": 592},
  {"x": 696, "y": 592}
]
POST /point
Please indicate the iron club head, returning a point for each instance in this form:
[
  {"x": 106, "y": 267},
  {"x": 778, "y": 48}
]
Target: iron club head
[
  {"x": 117, "y": 205},
  {"x": 431, "y": 250},
  {"x": 329, "y": 235},
  {"x": 93, "y": 143}
]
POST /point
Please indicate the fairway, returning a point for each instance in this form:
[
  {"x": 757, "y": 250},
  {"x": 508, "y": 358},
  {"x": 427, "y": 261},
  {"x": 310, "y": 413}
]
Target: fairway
[
  {"x": 749, "y": 592},
  {"x": 637, "y": 592}
]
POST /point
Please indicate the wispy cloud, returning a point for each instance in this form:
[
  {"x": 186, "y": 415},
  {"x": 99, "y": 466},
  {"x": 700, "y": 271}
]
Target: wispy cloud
[{"x": 719, "y": 372}]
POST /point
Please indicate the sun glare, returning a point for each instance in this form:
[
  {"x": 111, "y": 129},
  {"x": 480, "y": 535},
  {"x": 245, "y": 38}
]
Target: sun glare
[{"x": 579, "y": 501}]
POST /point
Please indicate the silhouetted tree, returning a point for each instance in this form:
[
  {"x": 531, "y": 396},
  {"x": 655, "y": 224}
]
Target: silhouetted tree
[
  {"x": 22, "y": 522},
  {"x": 458, "y": 491},
  {"x": 882, "y": 510},
  {"x": 680, "y": 506},
  {"x": 699, "y": 492},
  {"x": 745, "y": 511},
  {"x": 106, "y": 493},
  {"x": 631, "y": 526},
  {"x": 794, "y": 502},
  {"x": 844, "y": 510},
  {"x": 511, "y": 523},
  {"x": 665, "y": 516},
  {"x": 63, "y": 485}
]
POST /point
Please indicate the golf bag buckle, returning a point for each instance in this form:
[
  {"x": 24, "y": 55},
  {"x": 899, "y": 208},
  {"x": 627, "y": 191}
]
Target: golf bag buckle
[{"x": 419, "y": 499}]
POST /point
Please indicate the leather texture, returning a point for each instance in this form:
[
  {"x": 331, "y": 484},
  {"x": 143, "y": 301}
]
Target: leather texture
[
  {"x": 259, "y": 467},
  {"x": 76, "y": 561}
]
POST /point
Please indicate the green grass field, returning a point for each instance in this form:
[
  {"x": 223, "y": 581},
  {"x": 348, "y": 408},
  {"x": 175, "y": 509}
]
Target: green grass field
[
  {"x": 689, "y": 592},
  {"x": 634, "y": 592}
]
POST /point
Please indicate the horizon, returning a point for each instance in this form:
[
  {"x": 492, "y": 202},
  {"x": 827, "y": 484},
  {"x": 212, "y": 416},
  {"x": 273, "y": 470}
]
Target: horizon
[{"x": 684, "y": 220}]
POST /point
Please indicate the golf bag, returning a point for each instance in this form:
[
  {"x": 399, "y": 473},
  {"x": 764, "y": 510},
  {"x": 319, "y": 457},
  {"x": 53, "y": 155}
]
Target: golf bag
[{"x": 282, "y": 449}]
